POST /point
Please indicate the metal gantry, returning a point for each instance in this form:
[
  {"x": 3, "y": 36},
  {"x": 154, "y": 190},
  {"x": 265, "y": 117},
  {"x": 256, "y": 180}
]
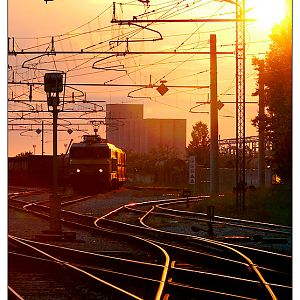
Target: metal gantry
[{"x": 240, "y": 103}]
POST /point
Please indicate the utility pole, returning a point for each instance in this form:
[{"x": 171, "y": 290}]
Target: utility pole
[
  {"x": 261, "y": 126},
  {"x": 214, "y": 148},
  {"x": 42, "y": 138}
]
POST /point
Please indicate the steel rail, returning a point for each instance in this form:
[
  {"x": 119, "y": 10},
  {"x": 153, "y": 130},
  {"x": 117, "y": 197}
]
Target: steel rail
[
  {"x": 160, "y": 203},
  {"x": 163, "y": 279},
  {"x": 12, "y": 294},
  {"x": 165, "y": 266},
  {"x": 118, "y": 259},
  {"x": 141, "y": 227},
  {"x": 233, "y": 220},
  {"x": 261, "y": 279},
  {"x": 90, "y": 267},
  {"x": 135, "y": 227},
  {"x": 64, "y": 263},
  {"x": 249, "y": 261},
  {"x": 191, "y": 218}
]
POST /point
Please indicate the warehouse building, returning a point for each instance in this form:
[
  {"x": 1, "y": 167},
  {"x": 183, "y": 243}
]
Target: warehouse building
[{"x": 127, "y": 129}]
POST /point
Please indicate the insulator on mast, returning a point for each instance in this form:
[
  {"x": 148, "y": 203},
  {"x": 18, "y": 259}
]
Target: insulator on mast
[
  {"x": 30, "y": 92},
  {"x": 114, "y": 12},
  {"x": 52, "y": 44}
]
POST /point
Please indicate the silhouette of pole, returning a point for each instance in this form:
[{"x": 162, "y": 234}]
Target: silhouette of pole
[
  {"x": 42, "y": 137},
  {"x": 55, "y": 206},
  {"x": 240, "y": 103},
  {"x": 53, "y": 84},
  {"x": 214, "y": 149}
]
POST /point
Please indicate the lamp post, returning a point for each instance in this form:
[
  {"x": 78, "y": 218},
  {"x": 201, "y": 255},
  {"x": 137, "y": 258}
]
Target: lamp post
[{"x": 53, "y": 85}]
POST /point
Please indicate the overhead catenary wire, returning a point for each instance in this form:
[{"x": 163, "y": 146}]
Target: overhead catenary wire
[{"x": 131, "y": 66}]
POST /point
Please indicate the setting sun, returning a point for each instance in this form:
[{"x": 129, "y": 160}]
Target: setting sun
[{"x": 266, "y": 12}]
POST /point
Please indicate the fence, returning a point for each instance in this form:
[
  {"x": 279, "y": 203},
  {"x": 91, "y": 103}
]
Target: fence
[{"x": 227, "y": 179}]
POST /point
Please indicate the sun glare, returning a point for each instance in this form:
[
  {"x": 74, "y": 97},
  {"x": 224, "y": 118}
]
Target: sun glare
[{"x": 266, "y": 12}]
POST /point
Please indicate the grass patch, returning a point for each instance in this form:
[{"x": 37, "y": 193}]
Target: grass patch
[{"x": 271, "y": 206}]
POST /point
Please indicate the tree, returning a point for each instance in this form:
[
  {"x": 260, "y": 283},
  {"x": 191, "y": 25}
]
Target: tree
[
  {"x": 161, "y": 163},
  {"x": 23, "y": 154},
  {"x": 277, "y": 78},
  {"x": 199, "y": 145}
]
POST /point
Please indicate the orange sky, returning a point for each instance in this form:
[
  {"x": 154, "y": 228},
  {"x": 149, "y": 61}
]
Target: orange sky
[{"x": 33, "y": 22}]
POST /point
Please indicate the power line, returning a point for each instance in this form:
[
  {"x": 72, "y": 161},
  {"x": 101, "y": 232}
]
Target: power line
[
  {"x": 112, "y": 84},
  {"x": 117, "y": 53}
]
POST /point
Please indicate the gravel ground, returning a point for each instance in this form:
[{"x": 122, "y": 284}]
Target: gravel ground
[
  {"x": 228, "y": 231},
  {"x": 28, "y": 226},
  {"x": 101, "y": 204}
]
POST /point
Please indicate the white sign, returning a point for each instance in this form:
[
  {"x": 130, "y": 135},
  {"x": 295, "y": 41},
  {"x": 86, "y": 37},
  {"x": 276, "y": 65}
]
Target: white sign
[{"x": 192, "y": 170}]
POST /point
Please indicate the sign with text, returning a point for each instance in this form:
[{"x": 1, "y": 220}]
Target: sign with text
[{"x": 192, "y": 170}]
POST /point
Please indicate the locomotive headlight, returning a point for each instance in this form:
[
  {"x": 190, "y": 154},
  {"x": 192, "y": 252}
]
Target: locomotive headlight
[
  {"x": 100, "y": 170},
  {"x": 78, "y": 170}
]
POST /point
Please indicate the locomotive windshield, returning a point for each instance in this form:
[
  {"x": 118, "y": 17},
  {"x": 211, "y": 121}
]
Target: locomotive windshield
[{"x": 89, "y": 152}]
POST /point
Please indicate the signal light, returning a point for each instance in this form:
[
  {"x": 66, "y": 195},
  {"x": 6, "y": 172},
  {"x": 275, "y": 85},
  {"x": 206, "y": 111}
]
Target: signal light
[{"x": 53, "y": 82}]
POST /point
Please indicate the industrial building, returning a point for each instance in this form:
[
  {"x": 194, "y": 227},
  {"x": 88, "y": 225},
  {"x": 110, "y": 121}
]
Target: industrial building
[{"x": 127, "y": 129}]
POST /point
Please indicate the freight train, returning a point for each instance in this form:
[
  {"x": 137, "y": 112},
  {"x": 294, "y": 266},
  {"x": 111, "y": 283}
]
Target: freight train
[
  {"x": 95, "y": 163},
  {"x": 36, "y": 170}
]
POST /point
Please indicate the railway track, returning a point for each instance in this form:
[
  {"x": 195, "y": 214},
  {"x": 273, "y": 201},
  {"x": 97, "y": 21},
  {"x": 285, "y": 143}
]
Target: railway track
[
  {"x": 219, "y": 220},
  {"x": 226, "y": 228},
  {"x": 112, "y": 279},
  {"x": 196, "y": 267},
  {"x": 140, "y": 245},
  {"x": 278, "y": 273}
]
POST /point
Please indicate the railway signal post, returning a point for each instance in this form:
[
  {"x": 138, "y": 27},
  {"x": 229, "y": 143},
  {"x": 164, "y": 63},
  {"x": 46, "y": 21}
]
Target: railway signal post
[{"x": 53, "y": 85}]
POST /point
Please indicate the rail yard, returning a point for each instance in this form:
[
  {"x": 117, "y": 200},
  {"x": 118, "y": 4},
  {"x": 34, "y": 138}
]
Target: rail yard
[
  {"x": 150, "y": 147},
  {"x": 120, "y": 245}
]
